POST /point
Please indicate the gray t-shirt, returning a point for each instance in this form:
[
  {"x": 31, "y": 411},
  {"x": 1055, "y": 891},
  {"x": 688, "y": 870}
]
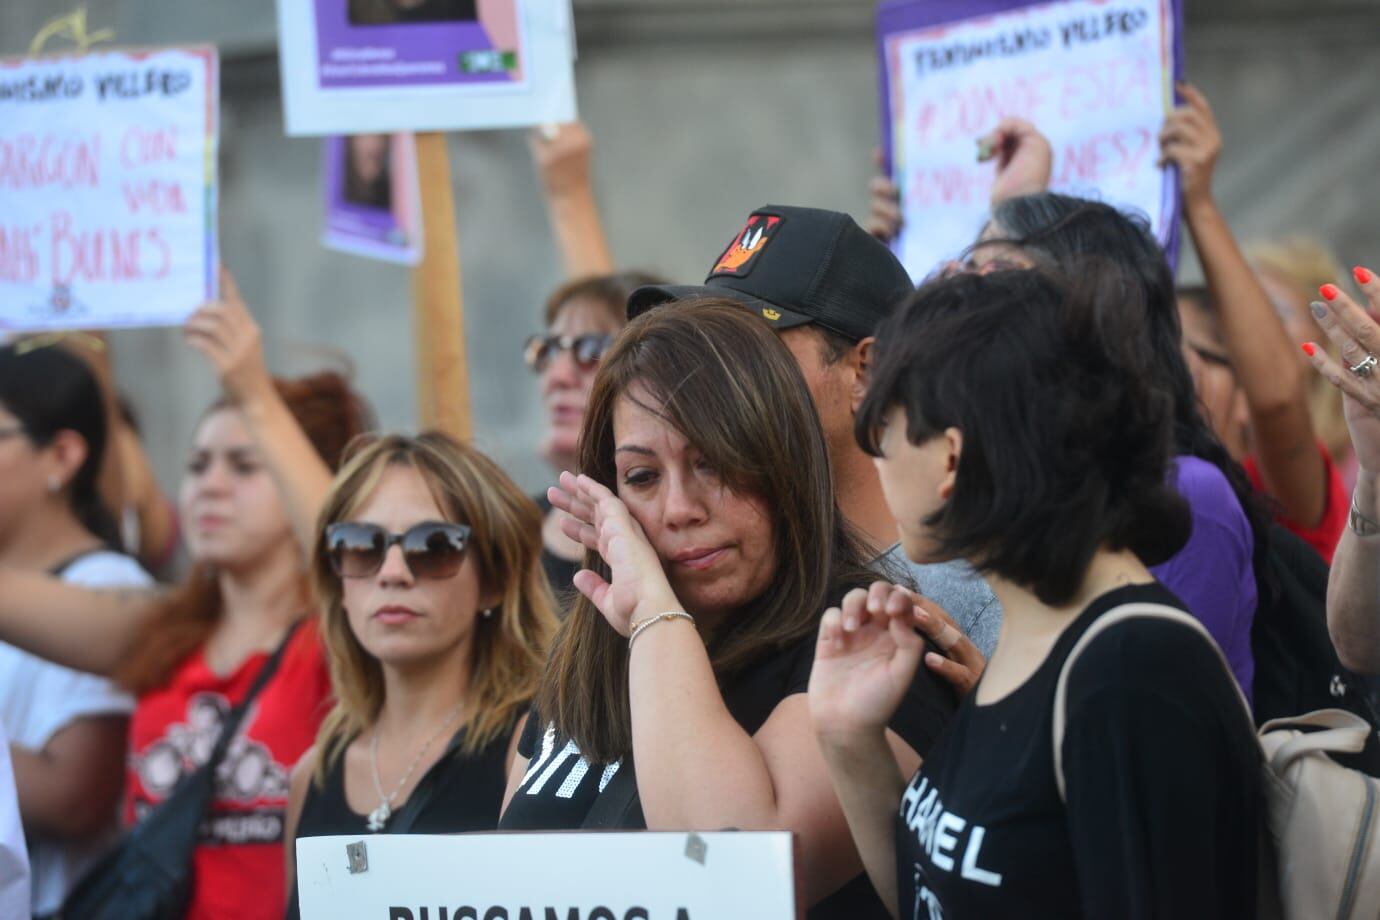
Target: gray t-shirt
[{"x": 957, "y": 588}]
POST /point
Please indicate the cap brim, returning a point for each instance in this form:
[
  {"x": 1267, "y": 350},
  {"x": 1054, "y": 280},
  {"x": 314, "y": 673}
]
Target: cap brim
[{"x": 654, "y": 295}]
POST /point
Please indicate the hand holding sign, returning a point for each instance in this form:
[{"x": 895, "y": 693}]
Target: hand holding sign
[
  {"x": 226, "y": 333},
  {"x": 1024, "y": 157},
  {"x": 1191, "y": 140}
]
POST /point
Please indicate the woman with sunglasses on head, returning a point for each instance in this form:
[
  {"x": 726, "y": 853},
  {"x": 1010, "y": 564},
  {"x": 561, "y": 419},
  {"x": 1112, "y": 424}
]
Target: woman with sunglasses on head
[
  {"x": 192, "y": 655},
  {"x": 436, "y": 616},
  {"x": 674, "y": 695},
  {"x": 1107, "y": 773},
  {"x": 67, "y": 730},
  {"x": 582, "y": 318}
]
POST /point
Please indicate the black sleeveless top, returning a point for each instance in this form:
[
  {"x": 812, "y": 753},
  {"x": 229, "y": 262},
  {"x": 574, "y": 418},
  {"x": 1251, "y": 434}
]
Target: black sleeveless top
[
  {"x": 559, "y": 572},
  {"x": 465, "y": 792}
]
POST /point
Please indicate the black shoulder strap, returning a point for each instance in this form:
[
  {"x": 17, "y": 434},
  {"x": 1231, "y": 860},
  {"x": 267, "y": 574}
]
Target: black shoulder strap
[
  {"x": 234, "y": 717},
  {"x": 406, "y": 817},
  {"x": 610, "y": 810}
]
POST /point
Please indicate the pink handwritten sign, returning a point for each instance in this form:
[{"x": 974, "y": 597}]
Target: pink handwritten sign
[
  {"x": 107, "y": 188},
  {"x": 1094, "y": 76}
]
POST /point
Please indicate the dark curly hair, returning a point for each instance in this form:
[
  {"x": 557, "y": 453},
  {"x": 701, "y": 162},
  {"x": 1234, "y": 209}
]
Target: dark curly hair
[
  {"x": 1061, "y": 232},
  {"x": 1067, "y": 436}
]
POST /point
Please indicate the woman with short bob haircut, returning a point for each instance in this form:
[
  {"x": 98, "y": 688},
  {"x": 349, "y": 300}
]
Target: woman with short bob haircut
[
  {"x": 1222, "y": 571},
  {"x": 1017, "y": 426},
  {"x": 435, "y": 650},
  {"x": 707, "y": 510}
]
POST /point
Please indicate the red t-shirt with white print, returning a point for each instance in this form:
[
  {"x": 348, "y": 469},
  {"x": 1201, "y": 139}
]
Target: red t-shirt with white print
[{"x": 238, "y": 862}]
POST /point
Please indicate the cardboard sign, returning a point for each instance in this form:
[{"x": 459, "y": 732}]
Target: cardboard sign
[
  {"x": 107, "y": 188},
  {"x": 378, "y": 66},
  {"x": 373, "y": 206},
  {"x": 572, "y": 876},
  {"x": 1095, "y": 76}
]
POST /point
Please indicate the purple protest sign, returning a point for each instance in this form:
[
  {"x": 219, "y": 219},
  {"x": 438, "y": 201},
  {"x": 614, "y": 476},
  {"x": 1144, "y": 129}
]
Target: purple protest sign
[
  {"x": 382, "y": 66},
  {"x": 1095, "y": 76},
  {"x": 371, "y": 195},
  {"x": 364, "y": 43}
]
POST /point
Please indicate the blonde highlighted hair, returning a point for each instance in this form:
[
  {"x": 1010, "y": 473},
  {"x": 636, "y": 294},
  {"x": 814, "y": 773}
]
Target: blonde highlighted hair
[
  {"x": 1307, "y": 265},
  {"x": 509, "y": 649}
]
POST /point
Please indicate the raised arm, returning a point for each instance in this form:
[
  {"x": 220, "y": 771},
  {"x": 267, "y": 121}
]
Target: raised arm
[
  {"x": 697, "y": 768},
  {"x": 80, "y": 628},
  {"x": 562, "y": 154},
  {"x": 1353, "y": 586},
  {"x": 1266, "y": 363},
  {"x": 226, "y": 333}
]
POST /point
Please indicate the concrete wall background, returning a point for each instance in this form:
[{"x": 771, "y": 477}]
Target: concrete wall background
[{"x": 702, "y": 109}]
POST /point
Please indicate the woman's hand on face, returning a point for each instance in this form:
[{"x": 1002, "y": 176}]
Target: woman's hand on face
[
  {"x": 226, "y": 333},
  {"x": 1191, "y": 140},
  {"x": 865, "y": 660},
  {"x": 1357, "y": 336},
  {"x": 1025, "y": 159},
  {"x": 637, "y": 585}
]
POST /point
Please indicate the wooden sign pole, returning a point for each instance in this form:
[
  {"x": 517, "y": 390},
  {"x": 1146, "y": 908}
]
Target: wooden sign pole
[{"x": 443, "y": 379}]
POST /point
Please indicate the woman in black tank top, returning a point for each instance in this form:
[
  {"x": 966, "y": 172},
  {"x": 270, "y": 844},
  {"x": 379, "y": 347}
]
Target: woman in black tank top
[{"x": 435, "y": 614}]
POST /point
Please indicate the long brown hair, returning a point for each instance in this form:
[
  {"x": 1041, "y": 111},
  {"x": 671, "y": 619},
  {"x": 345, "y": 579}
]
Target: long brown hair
[
  {"x": 331, "y": 415},
  {"x": 505, "y": 542},
  {"x": 721, "y": 378}
]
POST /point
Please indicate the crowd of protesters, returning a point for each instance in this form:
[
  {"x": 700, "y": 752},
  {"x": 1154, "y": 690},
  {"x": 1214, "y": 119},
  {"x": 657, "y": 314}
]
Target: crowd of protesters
[{"x": 824, "y": 552}]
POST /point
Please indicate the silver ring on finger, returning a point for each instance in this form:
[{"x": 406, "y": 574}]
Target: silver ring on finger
[
  {"x": 947, "y": 638},
  {"x": 1365, "y": 366}
]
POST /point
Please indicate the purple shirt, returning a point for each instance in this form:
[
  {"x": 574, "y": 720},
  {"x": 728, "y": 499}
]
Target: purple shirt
[{"x": 1212, "y": 574}]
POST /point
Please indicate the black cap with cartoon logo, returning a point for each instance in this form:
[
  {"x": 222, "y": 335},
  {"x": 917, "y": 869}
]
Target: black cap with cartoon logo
[{"x": 794, "y": 266}]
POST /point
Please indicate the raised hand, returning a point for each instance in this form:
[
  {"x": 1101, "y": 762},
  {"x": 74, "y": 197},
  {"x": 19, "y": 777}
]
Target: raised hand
[
  {"x": 1024, "y": 157},
  {"x": 562, "y": 154},
  {"x": 637, "y": 586},
  {"x": 884, "y": 203},
  {"x": 1357, "y": 374},
  {"x": 1191, "y": 140},
  {"x": 865, "y": 660},
  {"x": 226, "y": 333}
]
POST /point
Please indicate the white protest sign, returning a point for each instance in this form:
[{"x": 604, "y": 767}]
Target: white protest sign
[
  {"x": 572, "y": 876},
  {"x": 107, "y": 188},
  {"x": 382, "y": 66},
  {"x": 1094, "y": 76}
]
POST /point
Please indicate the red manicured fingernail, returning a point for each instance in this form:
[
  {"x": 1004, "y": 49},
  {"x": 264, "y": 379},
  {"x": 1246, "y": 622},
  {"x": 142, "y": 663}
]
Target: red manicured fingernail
[
  {"x": 1309, "y": 349},
  {"x": 1329, "y": 291},
  {"x": 1361, "y": 275}
]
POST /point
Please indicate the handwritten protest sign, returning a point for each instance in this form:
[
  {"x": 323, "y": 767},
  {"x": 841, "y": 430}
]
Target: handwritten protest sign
[
  {"x": 604, "y": 876},
  {"x": 376, "y": 66},
  {"x": 107, "y": 188},
  {"x": 373, "y": 204},
  {"x": 1095, "y": 76}
]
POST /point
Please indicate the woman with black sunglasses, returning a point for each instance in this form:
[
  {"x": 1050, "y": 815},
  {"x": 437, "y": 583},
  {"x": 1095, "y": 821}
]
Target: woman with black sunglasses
[
  {"x": 435, "y": 616},
  {"x": 582, "y": 318}
]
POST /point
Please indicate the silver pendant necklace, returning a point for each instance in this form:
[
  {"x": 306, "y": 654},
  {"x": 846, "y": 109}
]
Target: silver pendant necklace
[{"x": 378, "y": 818}]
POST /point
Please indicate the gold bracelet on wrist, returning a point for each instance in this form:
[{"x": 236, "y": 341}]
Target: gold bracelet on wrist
[{"x": 641, "y": 625}]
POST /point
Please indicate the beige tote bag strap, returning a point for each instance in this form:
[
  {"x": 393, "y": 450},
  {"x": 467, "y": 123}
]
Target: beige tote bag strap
[
  {"x": 1103, "y": 623},
  {"x": 1342, "y": 731}
]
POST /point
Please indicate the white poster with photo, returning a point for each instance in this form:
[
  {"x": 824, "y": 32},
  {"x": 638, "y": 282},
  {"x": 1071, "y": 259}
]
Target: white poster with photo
[
  {"x": 107, "y": 188},
  {"x": 1094, "y": 76},
  {"x": 382, "y": 66},
  {"x": 572, "y": 876}
]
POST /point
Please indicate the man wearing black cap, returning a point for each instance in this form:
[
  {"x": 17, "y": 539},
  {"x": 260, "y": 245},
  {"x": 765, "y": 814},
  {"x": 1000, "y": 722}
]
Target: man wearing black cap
[{"x": 824, "y": 285}]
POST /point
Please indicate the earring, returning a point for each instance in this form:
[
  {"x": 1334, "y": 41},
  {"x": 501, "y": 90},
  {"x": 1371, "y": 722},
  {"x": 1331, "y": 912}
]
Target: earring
[
  {"x": 54, "y": 483},
  {"x": 487, "y": 614}
]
